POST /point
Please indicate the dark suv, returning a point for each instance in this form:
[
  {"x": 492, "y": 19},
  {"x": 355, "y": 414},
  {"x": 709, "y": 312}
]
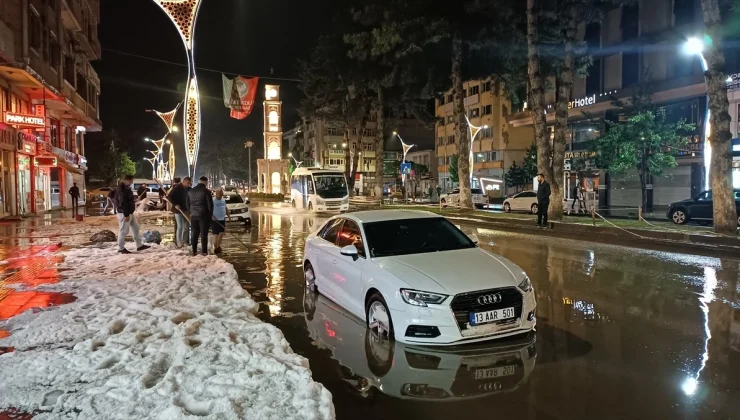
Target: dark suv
[{"x": 697, "y": 208}]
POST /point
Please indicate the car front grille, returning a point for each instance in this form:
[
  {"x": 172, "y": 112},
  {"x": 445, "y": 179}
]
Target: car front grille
[
  {"x": 237, "y": 211},
  {"x": 333, "y": 205},
  {"x": 466, "y": 385},
  {"x": 463, "y": 304}
]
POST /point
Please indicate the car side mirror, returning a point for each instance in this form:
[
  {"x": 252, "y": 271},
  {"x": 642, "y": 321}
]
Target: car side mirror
[
  {"x": 349, "y": 251},
  {"x": 473, "y": 237}
]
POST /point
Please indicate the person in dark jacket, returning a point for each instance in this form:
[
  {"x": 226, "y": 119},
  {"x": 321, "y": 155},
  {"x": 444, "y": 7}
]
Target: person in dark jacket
[
  {"x": 543, "y": 200},
  {"x": 200, "y": 203},
  {"x": 75, "y": 193},
  {"x": 142, "y": 191},
  {"x": 126, "y": 219},
  {"x": 178, "y": 197}
]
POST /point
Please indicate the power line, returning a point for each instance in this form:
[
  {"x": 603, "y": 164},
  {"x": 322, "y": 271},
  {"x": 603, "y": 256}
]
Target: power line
[{"x": 143, "y": 57}]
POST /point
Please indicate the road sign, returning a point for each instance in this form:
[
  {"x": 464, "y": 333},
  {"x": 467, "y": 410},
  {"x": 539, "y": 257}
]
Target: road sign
[{"x": 406, "y": 168}]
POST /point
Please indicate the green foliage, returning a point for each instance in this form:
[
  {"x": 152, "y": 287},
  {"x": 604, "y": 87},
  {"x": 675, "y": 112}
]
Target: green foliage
[
  {"x": 108, "y": 162},
  {"x": 452, "y": 169},
  {"x": 516, "y": 177},
  {"x": 392, "y": 168},
  {"x": 529, "y": 166}
]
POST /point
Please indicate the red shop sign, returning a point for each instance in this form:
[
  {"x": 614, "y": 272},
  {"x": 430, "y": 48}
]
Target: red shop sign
[{"x": 44, "y": 161}]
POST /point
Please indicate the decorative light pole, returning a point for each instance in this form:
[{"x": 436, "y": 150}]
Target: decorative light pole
[
  {"x": 406, "y": 148},
  {"x": 474, "y": 131},
  {"x": 248, "y": 145},
  {"x": 695, "y": 46},
  {"x": 183, "y": 14},
  {"x": 297, "y": 164}
]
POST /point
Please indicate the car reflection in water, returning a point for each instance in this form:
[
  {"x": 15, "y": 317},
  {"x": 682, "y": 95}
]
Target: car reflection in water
[{"x": 416, "y": 372}]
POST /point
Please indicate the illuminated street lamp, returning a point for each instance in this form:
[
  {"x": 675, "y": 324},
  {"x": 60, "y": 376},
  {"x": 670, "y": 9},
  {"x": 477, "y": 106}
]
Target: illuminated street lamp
[
  {"x": 474, "y": 131},
  {"x": 406, "y": 148},
  {"x": 695, "y": 46},
  {"x": 297, "y": 164},
  {"x": 248, "y": 145}
]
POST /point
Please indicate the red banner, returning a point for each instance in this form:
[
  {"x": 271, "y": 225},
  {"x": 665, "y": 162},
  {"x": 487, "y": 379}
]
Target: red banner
[{"x": 239, "y": 95}]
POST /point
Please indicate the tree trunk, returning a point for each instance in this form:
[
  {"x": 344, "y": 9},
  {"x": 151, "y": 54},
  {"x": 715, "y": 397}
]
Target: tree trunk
[
  {"x": 725, "y": 213},
  {"x": 356, "y": 157},
  {"x": 379, "y": 146},
  {"x": 464, "y": 170},
  {"x": 565, "y": 91},
  {"x": 537, "y": 94},
  {"x": 348, "y": 151}
]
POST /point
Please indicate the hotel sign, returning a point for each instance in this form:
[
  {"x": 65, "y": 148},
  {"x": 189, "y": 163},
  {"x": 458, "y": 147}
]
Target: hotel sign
[
  {"x": 580, "y": 155},
  {"x": 24, "y": 120},
  {"x": 588, "y": 100}
]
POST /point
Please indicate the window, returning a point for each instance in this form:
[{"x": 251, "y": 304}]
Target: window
[
  {"x": 56, "y": 55},
  {"x": 487, "y": 133},
  {"x": 593, "y": 79},
  {"x": 440, "y": 141},
  {"x": 34, "y": 32},
  {"x": 683, "y": 12},
  {"x": 368, "y": 146},
  {"x": 451, "y": 139},
  {"x": 414, "y": 236},
  {"x": 630, "y": 22},
  {"x": 449, "y": 98},
  {"x": 69, "y": 70},
  {"x": 474, "y": 90},
  {"x": 367, "y": 132},
  {"x": 450, "y": 119},
  {"x": 331, "y": 230},
  {"x": 351, "y": 235},
  {"x": 273, "y": 118},
  {"x": 81, "y": 85},
  {"x": 488, "y": 110},
  {"x": 705, "y": 196},
  {"x": 630, "y": 69},
  {"x": 54, "y": 133},
  {"x": 487, "y": 86},
  {"x": 475, "y": 112},
  {"x": 332, "y": 131},
  {"x": 68, "y": 133}
]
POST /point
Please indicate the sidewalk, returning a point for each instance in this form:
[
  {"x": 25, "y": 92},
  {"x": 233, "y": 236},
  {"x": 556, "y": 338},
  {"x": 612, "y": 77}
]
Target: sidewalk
[{"x": 90, "y": 334}]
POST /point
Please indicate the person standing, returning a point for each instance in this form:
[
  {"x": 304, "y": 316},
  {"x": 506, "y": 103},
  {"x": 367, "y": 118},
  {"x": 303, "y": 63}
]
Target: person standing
[
  {"x": 179, "y": 198},
  {"x": 218, "y": 225},
  {"x": 141, "y": 192},
  {"x": 576, "y": 197},
  {"x": 126, "y": 218},
  {"x": 543, "y": 200},
  {"x": 75, "y": 193},
  {"x": 200, "y": 203},
  {"x": 111, "y": 201}
]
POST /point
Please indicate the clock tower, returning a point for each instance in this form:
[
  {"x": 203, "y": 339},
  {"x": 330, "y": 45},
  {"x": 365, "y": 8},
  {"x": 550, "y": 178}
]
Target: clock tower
[{"x": 273, "y": 169}]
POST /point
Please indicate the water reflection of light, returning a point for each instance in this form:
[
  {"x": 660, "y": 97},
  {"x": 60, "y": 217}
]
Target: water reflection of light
[{"x": 710, "y": 283}]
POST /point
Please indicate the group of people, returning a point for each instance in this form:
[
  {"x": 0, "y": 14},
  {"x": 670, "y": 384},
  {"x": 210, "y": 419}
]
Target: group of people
[
  {"x": 198, "y": 211},
  {"x": 195, "y": 210}
]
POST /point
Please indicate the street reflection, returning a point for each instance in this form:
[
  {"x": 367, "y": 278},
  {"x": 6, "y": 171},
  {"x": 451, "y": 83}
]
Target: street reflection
[{"x": 413, "y": 372}]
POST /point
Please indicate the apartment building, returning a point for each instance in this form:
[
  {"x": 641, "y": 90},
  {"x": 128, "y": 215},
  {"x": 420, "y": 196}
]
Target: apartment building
[
  {"x": 495, "y": 147},
  {"x": 325, "y": 145},
  {"x": 49, "y": 99},
  {"x": 634, "y": 44}
]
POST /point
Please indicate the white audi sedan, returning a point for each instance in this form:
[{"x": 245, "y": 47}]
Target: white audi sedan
[{"x": 415, "y": 277}]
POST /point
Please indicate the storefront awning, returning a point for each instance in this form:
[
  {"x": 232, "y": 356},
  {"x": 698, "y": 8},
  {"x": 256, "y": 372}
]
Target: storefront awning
[{"x": 67, "y": 166}]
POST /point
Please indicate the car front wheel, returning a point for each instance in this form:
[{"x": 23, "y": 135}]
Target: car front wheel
[
  {"x": 679, "y": 217},
  {"x": 507, "y": 207},
  {"x": 533, "y": 209},
  {"x": 310, "y": 277},
  {"x": 378, "y": 317}
]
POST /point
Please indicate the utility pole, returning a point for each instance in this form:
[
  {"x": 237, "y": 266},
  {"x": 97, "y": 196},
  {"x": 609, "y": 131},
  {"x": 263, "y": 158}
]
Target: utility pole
[{"x": 248, "y": 145}]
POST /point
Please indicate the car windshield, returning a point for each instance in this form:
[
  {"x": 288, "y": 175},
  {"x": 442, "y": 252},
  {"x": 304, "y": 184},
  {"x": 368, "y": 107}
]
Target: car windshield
[
  {"x": 233, "y": 199},
  {"x": 330, "y": 186},
  {"x": 414, "y": 236},
  {"x": 476, "y": 191}
]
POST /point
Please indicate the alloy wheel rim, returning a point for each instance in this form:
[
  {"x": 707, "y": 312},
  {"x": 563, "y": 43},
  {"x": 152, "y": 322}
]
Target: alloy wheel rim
[
  {"x": 379, "y": 318},
  {"x": 679, "y": 217},
  {"x": 310, "y": 278}
]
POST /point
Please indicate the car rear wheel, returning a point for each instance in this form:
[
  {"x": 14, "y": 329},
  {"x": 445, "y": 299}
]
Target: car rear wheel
[
  {"x": 443, "y": 202},
  {"x": 292, "y": 203},
  {"x": 533, "y": 209},
  {"x": 310, "y": 206},
  {"x": 507, "y": 207},
  {"x": 378, "y": 317},
  {"x": 679, "y": 217},
  {"x": 310, "y": 278}
]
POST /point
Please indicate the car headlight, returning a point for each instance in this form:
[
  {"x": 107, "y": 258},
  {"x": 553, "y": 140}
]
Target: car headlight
[
  {"x": 526, "y": 284},
  {"x": 345, "y": 200},
  {"x": 417, "y": 298},
  {"x": 319, "y": 201}
]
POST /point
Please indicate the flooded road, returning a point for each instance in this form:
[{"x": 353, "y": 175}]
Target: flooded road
[{"x": 622, "y": 333}]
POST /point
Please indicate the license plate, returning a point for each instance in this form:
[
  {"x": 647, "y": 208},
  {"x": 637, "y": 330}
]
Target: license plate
[
  {"x": 496, "y": 372},
  {"x": 491, "y": 316}
]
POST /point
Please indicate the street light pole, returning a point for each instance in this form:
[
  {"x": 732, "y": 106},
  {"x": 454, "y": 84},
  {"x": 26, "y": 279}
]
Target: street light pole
[
  {"x": 406, "y": 148},
  {"x": 248, "y": 145},
  {"x": 474, "y": 131}
]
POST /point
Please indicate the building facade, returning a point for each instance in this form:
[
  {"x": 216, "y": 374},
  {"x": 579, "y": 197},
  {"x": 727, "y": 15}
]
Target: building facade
[
  {"x": 49, "y": 98},
  {"x": 638, "y": 44},
  {"x": 495, "y": 147}
]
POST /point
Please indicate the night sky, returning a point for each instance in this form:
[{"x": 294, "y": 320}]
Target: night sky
[{"x": 248, "y": 37}]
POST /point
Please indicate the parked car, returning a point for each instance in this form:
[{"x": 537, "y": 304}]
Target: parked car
[
  {"x": 697, "y": 208},
  {"x": 399, "y": 272},
  {"x": 99, "y": 193},
  {"x": 237, "y": 208},
  {"x": 452, "y": 198},
  {"x": 523, "y": 201}
]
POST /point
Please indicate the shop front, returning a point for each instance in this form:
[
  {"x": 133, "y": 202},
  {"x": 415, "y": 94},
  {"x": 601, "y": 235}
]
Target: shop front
[
  {"x": 7, "y": 173},
  {"x": 26, "y": 151}
]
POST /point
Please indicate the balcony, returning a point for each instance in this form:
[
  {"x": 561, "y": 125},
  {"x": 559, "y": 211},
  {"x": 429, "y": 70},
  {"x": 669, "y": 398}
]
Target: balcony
[
  {"x": 72, "y": 15},
  {"x": 91, "y": 49},
  {"x": 7, "y": 47}
]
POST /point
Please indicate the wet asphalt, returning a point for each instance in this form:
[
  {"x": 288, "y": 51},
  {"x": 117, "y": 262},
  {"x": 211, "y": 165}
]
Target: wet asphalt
[{"x": 622, "y": 333}]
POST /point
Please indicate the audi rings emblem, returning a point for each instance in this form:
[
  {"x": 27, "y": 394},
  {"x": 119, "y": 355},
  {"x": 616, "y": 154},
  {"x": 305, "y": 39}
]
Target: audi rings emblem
[{"x": 489, "y": 299}]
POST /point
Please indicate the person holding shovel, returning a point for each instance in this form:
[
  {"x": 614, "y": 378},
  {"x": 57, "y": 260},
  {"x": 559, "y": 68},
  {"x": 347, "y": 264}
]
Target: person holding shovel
[
  {"x": 218, "y": 225},
  {"x": 178, "y": 196}
]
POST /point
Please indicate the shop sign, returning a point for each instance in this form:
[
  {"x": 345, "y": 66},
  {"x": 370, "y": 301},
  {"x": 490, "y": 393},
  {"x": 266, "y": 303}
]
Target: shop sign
[
  {"x": 588, "y": 100},
  {"x": 23, "y": 120},
  {"x": 694, "y": 147},
  {"x": 43, "y": 146},
  {"x": 733, "y": 82},
  {"x": 82, "y": 162},
  {"x": 586, "y": 154},
  {"x": 333, "y": 152},
  {"x": 69, "y": 157},
  {"x": 45, "y": 161},
  {"x": 26, "y": 143}
]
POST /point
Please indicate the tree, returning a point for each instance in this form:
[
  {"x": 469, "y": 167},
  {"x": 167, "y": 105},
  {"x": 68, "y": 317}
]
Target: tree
[
  {"x": 419, "y": 171},
  {"x": 452, "y": 169},
  {"x": 647, "y": 143},
  {"x": 529, "y": 166},
  {"x": 108, "y": 162},
  {"x": 725, "y": 213},
  {"x": 516, "y": 177}
]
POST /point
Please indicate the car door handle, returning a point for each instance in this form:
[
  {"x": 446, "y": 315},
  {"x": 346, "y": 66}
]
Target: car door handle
[{"x": 334, "y": 261}]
